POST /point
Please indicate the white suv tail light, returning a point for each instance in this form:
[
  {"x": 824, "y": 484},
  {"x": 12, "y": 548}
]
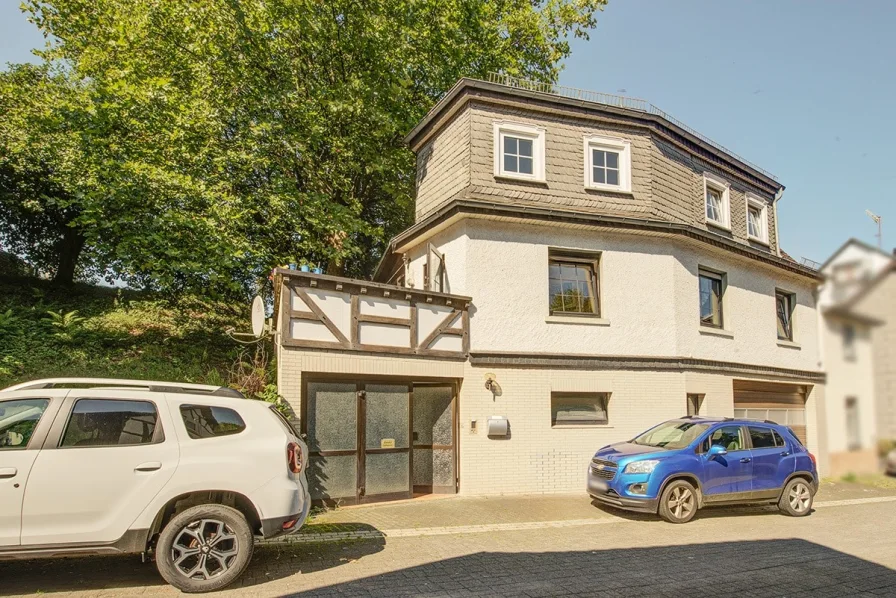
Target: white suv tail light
[{"x": 294, "y": 457}]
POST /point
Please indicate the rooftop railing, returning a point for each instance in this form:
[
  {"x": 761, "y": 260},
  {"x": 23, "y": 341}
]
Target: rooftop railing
[{"x": 617, "y": 101}]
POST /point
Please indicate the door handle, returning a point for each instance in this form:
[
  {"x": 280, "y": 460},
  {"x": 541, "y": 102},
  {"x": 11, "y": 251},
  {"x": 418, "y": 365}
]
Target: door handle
[
  {"x": 785, "y": 454},
  {"x": 149, "y": 466},
  {"x": 8, "y": 472},
  {"x": 745, "y": 460}
]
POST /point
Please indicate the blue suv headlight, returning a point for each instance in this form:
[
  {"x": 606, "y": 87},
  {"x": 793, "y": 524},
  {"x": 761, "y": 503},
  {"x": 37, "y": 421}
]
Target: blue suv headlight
[{"x": 645, "y": 466}]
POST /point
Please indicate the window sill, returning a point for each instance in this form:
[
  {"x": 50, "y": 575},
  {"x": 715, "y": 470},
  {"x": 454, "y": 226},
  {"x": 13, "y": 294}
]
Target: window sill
[
  {"x": 581, "y": 426},
  {"x": 584, "y": 320},
  {"x": 758, "y": 240},
  {"x": 610, "y": 189},
  {"x": 716, "y": 332},
  {"x": 509, "y": 178},
  {"x": 789, "y": 344},
  {"x": 718, "y": 225}
]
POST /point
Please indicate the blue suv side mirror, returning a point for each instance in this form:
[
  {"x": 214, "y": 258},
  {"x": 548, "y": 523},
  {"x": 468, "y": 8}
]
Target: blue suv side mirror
[{"x": 716, "y": 451}]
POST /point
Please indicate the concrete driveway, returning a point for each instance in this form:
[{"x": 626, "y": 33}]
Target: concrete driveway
[{"x": 538, "y": 546}]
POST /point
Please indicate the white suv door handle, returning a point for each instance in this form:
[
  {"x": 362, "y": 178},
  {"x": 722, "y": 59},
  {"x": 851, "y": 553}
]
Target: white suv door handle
[
  {"x": 149, "y": 466},
  {"x": 8, "y": 472}
]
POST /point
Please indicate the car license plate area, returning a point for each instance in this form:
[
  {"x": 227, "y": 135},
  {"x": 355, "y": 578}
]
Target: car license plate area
[{"x": 598, "y": 485}]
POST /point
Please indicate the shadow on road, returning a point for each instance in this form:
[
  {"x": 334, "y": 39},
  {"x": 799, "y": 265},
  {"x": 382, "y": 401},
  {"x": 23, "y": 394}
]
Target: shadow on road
[
  {"x": 704, "y": 513},
  {"x": 727, "y": 569},
  {"x": 45, "y": 576}
]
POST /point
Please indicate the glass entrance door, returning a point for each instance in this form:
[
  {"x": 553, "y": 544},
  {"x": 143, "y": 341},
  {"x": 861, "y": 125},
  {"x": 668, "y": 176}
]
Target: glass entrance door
[
  {"x": 358, "y": 435},
  {"x": 386, "y": 458},
  {"x": 330, "y": 428},
  {"x": 434, "y": 439}
]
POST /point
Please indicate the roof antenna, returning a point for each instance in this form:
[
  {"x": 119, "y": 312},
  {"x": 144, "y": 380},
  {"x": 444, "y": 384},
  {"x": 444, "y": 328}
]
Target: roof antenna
[{"x": 877, "y": 219}]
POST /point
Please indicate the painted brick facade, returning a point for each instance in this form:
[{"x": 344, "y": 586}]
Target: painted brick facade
[{"x": 536, "y": 457}]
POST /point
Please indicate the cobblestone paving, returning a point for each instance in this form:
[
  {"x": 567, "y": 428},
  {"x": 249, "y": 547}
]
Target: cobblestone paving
[{"x": 844, "y": 548}]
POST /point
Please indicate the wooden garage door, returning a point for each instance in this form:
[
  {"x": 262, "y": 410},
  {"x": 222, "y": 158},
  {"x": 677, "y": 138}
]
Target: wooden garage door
[{"x": 784, "y": 404}]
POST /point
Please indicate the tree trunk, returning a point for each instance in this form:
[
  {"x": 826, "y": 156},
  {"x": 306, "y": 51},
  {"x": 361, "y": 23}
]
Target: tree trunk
[{"x": 70, "y": 248}]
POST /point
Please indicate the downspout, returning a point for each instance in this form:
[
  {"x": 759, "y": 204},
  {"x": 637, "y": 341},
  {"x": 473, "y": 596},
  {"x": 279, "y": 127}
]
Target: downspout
[{"x": 775, "y": 201}]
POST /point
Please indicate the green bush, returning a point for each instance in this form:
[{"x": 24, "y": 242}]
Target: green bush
[{"x": 85, "y": 331}]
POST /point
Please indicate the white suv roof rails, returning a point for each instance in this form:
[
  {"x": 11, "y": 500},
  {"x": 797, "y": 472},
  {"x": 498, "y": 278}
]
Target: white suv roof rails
[{"x": 151, "y": 385}]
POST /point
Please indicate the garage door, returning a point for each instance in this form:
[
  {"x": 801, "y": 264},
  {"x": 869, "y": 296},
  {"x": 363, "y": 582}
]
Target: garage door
[{"x": 784, "y": 404}]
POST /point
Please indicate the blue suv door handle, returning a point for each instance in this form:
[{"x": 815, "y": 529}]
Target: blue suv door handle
[
  {"x": 745, "y": 460},
  {"x": 785, "y": 454}
]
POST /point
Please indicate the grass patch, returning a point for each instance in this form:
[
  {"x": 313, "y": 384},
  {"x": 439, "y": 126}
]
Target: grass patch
[
  {"x": 877, "y": 480},
  {"x": 87, "y": 331}
]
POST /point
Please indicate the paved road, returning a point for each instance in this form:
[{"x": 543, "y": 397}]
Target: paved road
[{"x": 844, "y": 548}]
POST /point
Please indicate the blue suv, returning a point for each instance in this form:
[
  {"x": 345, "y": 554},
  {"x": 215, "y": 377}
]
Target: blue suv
[{"x": 685, "y": 464}]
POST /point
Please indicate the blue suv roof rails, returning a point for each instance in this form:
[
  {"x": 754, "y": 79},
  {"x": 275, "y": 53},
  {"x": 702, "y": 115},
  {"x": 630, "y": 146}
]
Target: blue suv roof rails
[{"x": 764, "y": 421}]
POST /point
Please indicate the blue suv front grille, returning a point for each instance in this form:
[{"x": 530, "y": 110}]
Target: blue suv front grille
[{"x": 603, "y": 469}]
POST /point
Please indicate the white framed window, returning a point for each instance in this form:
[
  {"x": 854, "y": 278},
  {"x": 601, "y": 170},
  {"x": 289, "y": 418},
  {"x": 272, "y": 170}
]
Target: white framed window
[
  {"x": 608, "y": 163},
  {"x": 757, "y": 219},
  {"x": 717, "y": 200},
  {"x": 519, "y": 151}
]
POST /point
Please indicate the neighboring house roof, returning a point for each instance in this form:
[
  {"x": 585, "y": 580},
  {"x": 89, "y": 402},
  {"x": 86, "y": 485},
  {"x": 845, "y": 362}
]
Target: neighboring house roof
[
  {"x": 472, "y": 207},
  {"x": 854, "y": 300},
  {"x": 854, "y": 241},
  {"x": 546, "y": 96}
]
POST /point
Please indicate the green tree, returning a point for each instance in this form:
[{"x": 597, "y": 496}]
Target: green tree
[
  {"x": 42, "y": 168},
  {"x": 243, "y": 134}
]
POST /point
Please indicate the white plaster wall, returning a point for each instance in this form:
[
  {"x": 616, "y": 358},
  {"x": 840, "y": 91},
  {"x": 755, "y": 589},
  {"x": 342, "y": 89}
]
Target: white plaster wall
[
  {"x": 848, "y": 379},
  {"x": 452, "y": 243},
  {"x": 649, "y": 297},
  {"x": 748, "y": 311}
]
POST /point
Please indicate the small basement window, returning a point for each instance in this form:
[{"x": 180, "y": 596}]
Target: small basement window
[
  {"x": 579, "y": 409},
  {"x": 519, "y": 151}
]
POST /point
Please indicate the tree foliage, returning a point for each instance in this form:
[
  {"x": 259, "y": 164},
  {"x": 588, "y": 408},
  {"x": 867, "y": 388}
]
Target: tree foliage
[{"x": 220, "y": 138}]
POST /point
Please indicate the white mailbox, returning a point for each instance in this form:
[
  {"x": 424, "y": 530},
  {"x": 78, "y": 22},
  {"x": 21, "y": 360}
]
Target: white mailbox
[{"x": 498, "y": 426}]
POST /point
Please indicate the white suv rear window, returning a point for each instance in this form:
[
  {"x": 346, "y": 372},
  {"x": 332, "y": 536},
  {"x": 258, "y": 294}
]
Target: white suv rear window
[{"x": 204, "y": 421}]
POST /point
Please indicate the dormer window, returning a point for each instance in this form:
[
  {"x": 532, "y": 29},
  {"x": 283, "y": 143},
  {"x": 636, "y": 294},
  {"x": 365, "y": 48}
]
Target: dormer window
[
  {"x": 518, "y": 155},
  {"x": 607, "y": 164},
  {"x": 757, "y": 219},
  {"x": 519, "y": 151},
  {"x": 718, "y": 211}
]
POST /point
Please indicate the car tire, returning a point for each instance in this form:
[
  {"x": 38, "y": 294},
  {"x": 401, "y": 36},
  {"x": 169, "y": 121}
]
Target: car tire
[
  {"x": 797, "y": 498},
  {"x": 678, "y": 502},
  {"x": 204, "y": 548}
]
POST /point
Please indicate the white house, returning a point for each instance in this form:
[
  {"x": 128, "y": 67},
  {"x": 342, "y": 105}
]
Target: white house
[
  {"x": 857, "y": 308},
  {"x": 580, "y": 269}
]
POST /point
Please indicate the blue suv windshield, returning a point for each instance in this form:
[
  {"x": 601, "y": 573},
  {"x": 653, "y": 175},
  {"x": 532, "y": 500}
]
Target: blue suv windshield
[{"x": 671, "y": 435}]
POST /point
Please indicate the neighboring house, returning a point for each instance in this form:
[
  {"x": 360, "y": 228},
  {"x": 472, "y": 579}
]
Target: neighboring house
[
  {"x": 857, "y": 304},
  {"x": 578, "y": 271}
]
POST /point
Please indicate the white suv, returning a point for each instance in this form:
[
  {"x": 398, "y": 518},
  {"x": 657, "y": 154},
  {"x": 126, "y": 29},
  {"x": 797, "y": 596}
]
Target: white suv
[{"x": 183, "y": 472}]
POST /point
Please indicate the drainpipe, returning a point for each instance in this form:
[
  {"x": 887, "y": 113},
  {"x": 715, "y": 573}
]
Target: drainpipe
[{"x": 778, "y": 195}]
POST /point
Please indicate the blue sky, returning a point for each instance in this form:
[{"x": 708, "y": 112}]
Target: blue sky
[{"x": 806, "y": 90}]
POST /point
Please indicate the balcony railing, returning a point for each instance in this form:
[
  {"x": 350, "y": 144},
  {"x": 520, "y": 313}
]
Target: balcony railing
[{"x": 317, "y": 311}]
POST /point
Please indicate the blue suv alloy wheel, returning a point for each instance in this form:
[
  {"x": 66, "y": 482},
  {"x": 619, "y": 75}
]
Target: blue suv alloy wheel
[{"x": 682, "y": 465}]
